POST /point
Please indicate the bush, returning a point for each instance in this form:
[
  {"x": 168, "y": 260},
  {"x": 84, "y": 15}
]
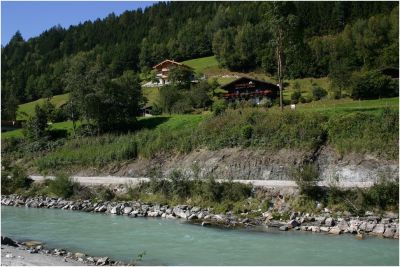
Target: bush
[
  {"x": 104, "y": 194},
  {"x": 306, "y": 177},
  {"x": 318, "y": 92},
  {"x": 14, "y": 178},
  {"x": 372, "y": 85},
  {"x": 218, "y": 107},
  {"x": 62, "y": 186},
  {"x": 247, "y": 131},
  {"x": 295, "y": 97},
  {"x": 384, "y": 193}
]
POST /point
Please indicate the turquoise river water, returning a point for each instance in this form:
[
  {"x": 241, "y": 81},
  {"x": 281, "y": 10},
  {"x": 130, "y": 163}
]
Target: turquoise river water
[{"x": 174, "y": 242}]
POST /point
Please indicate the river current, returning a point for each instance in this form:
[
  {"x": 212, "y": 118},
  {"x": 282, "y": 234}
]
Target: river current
[{"x": 175, "y": 242}]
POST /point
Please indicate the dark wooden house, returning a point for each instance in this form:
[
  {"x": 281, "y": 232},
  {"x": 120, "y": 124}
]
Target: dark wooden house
[{"x": 245, "y": 88}]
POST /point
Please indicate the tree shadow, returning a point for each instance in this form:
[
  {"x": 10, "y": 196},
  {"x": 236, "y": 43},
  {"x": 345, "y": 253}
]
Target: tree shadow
[{"x": 150, "y": 123}]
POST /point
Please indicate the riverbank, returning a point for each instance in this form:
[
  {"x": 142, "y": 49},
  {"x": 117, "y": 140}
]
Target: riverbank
[
  {"x": 386, "y": 226},
  {"x": 34, "y": 253}
]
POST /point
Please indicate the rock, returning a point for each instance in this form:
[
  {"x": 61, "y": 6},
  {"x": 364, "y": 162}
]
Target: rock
[
  {"x": 324, "y": 229},
  {"x": 351, "y": 230},
  {"x": 170, "y": 216},
  {"x": 379, "y": 229},
  {"x": 386, "y": 220},
  {"x": 90, "y": 259},
  {"x": 8, "y": 241},
  {"x": 370, "y": 227},
  {"x": 293, "y": 216},
  {"x": 103, "y": 261},
  {"x": 127, "y": 210},
  {"x": 321, "y": 219},
  {"x": 363, "y": 226},
  {"x": 389, "y": 232},
  {"x": 293, "y": 223},
  {"x": 360, "y": 236},
  {"x": 342, "y": 225},
  {"x": 219, "y": 217},
  {"x": 315, "y": 229},
  {"x": 32, "y": 243},
  {"x": 283, "y": 228},
  {"x": 335, "y": 231},
  {"x": 200, "y": 215},
  {"x": 10, "y": 256},
  {"x": 180, "y": 213},
  {"x": 33, "y": 250},
  {"x": 369, "y": 213},
  {"x": 192, "y": 217},
  {"x": 205, "y": 223},
  {"x": 114, "y": 210},
  {"x": 267, "y": 215},
  {"x": 391, "y": 215},
  {"x": 163, "y": 215},
  {"x": 152, "y": 214},
  {"x": 304, "y": 228},
  {"x": 102, "y": 208},
  {"x": 79, "y": 255},
  {"x": 327, "y": 210},
  {"x": 195, "y": 209},
  {"x": 329, "y": 222}
]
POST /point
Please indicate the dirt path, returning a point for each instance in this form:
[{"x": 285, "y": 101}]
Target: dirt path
[
  {"x": 113, "y": 180},
  {"x": 13, "y": 256}
]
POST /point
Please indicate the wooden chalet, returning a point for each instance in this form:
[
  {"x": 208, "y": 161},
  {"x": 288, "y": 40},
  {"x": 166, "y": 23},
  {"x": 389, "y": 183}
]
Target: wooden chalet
[
  {"x": 245, "y": 88},
  {"x": 163, "y": 69}
]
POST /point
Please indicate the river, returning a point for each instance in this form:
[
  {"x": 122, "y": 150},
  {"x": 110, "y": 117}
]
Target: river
[{"x": 175, "y": 242}]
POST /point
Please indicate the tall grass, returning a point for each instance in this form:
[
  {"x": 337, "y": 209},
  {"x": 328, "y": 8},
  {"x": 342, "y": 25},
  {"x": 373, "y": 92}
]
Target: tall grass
[{"x": 374, "y": 133}]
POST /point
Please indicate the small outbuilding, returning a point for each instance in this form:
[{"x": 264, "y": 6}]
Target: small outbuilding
[{"x": 245, "y": 88}]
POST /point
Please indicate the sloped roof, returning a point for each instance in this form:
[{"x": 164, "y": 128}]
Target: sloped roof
[
  {"x": 173, "y": 62},
  {"x": 248, "y": 78}
]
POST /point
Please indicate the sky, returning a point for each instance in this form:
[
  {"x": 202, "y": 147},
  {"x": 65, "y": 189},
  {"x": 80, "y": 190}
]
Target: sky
[{"x": 33, "y": 18}]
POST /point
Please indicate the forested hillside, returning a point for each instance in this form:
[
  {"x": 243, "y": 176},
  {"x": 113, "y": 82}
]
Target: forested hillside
[{"x": 326, "y": 39}]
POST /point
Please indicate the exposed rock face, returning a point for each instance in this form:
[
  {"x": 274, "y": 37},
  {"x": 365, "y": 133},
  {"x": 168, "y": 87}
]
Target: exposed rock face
[{"x": 246, "y": 164}]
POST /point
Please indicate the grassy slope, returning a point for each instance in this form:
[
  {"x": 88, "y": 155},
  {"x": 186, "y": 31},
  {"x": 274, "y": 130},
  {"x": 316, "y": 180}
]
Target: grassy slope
[
  {"x": 27, "y": 109},
  {"x": 201, "y": 64}
]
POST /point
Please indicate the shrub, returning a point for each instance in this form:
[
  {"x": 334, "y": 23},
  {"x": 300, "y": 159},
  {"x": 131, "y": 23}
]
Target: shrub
[
  {"x": 306, "y": 177},
  {"x": 104, "y": 194},
  {"x": 14, "y": 178},
  {"x": 318, "y": 92},
  {"x": 384, "y": 193},
  {"x": 371, "y": 85},
  {"x": 247, "y": 131},
  {"x": 295, "y": 97},
  {"x": 62, "y": 186},
  {"x": 218, "y": 107}
]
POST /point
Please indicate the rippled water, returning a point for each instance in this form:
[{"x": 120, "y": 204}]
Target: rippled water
[{"x": 173, "y": 242}]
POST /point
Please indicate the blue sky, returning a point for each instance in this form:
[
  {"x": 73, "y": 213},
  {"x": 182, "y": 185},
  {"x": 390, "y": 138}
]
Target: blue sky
[{"x": 32, "y": 18}]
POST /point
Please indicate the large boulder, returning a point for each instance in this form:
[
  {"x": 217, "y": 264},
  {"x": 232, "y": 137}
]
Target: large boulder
[
  {"x": 329, "y": 222},
  {"x": 335, "y": 230},
  {"x": 293, "y": 223},
  {"x": 315, "y": 229},
  {"x": 389, "y": 232},
  {"x": 342, "y": 225},
  {"x": 8, "y": 241},
  {"x": 127, "y": 210},
  {"x": 379, "y": 229},
  {"x": 369, "y": 227},
  {"x": 284, "y": 228}
]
